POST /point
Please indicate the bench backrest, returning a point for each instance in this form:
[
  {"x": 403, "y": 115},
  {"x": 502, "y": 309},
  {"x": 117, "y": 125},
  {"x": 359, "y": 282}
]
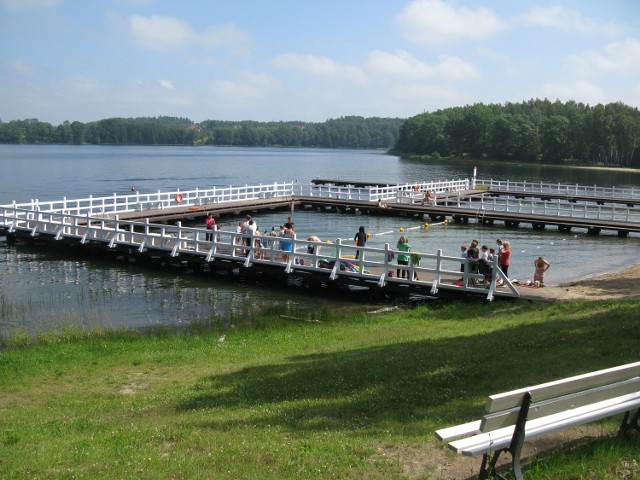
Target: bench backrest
[{"x": 502, "y": 409}]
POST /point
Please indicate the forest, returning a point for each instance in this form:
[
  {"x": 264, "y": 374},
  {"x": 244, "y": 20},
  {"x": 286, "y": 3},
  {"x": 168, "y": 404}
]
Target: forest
[
  {"x": 531, "y": 131},
  {"x": 345, "y": 132}
]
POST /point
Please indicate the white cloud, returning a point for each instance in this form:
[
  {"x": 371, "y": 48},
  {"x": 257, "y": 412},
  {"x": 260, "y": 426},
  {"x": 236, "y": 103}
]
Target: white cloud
[
  {"x": 167, "y": 84},
  {"x": 435, "y": 22},
  {"x": 580, "y": 91},
  {"x": 568, "y": 20},
  {"x": 249, "y": 88},
  {"x": 21, "y": 68},
  {"x": 417, "y": 97},
  {"x": 161, "y": 33},
  {"x": 320, "y": 66},
  {"x": 616, "y": 57},
  {"x": 29, "y": 4},
  {"x": 402, "y": 64},
  {"x": 83, "y": 86},
  {"x": 228, "y": 36}
]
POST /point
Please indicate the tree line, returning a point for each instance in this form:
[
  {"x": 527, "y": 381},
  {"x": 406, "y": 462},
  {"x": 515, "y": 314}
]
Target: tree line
[
  {"x": 531, "y": 131},
  {"x": 344, "y": 132}
]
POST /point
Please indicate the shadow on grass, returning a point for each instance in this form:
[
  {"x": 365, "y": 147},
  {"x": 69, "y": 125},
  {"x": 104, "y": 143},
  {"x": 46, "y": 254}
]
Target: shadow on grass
[{"x": 426, "y": 384}]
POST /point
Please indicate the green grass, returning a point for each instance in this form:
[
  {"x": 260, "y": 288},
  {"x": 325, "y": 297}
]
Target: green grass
[{"x": 354, "y": 395}]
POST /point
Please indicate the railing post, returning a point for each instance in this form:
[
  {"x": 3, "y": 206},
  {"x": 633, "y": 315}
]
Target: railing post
[
  {"x": 385, "y": 270},
  {"x": 438, "y": 273},
  {"x": 336, "y": 263}
]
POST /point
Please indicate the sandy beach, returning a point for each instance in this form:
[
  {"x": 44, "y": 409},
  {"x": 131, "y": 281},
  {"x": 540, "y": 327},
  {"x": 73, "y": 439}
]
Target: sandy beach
[{"x": 621, "y": 284}]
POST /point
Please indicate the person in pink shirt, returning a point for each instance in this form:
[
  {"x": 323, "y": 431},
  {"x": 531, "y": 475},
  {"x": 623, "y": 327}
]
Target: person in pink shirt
[
  {"x": 505, "y": 258},
  {"x": 210, "y": 224}
]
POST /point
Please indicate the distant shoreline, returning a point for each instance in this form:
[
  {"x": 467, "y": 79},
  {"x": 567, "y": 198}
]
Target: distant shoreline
[{"x": 488, "y": 161}]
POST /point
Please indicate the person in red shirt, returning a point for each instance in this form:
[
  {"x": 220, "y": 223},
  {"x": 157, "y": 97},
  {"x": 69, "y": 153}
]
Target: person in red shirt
[
  {"x": 210, "y": 224},
  {"x": 505, "y": 258}
]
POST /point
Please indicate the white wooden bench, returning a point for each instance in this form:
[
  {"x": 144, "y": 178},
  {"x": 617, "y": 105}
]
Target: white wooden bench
[{"x": 511, "y": 418}]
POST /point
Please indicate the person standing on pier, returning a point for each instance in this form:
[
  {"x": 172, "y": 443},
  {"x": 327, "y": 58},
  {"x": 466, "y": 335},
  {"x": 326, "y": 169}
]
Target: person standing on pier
[
  {"x": 249, "y": 230},
  {"x": 403, "y": 246},
  {"x": 473, "y": 254},
  {"x": 360, "y": 239},
  {"x": 289, "y": 223},
  {"x": 210, "y": 224},
  {"x": 463, "y": 257},
  {"x": 505, "y": 258},
  {"x": 286, "y": 244}
]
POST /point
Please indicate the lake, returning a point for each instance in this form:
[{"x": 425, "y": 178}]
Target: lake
[{"x": 42, "y": 291}]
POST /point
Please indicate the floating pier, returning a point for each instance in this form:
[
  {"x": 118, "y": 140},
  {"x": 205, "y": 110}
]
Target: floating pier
[{"x": 149, "y": 227}]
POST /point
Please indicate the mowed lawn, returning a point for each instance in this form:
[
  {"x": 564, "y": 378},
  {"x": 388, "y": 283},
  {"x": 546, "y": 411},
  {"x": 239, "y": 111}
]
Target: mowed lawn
[{"x": 302, "y": 394}]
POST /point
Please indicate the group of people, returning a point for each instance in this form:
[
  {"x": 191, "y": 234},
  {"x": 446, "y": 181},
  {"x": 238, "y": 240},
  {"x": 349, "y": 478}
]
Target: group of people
[
  {"x": 480, "y": 259},
  {"x": 248, "y": 229},
  {"x": 403, "y": 249}
]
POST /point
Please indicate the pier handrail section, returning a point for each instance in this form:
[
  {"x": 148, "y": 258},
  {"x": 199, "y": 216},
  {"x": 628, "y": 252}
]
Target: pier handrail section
[
  {"x": 374, "y": 193},
  {"x": 622, "y": 193},
  {"x": 374, "y": 267},
  {"x": 554, "y": 208},
  {"x": 137, "y": 201},
  {"x": 100, "y": 219}
]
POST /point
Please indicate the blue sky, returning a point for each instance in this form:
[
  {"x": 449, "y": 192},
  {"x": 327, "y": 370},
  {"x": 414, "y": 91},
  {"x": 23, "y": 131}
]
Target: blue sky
[{"x": 309, "y": 60}]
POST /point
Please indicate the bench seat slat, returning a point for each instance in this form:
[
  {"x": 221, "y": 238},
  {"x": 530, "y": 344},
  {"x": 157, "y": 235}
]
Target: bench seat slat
[
  {"x": 566, "y": 386},
  {"x": 559, "y": 404},
  {"x": 492, "y": 441},
  {"x": 459, "y": 431}
]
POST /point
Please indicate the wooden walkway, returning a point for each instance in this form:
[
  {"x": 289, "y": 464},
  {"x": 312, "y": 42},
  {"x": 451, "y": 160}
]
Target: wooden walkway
[
  {"x": 446, "y": 206},
  {"x": 573, "y": 198},
  {"x": 193, "y": 212},
  {"x": 148, "y": 226}
]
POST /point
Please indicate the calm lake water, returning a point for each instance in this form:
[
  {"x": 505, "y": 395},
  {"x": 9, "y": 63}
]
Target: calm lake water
[{"x": 42, "y": 291}]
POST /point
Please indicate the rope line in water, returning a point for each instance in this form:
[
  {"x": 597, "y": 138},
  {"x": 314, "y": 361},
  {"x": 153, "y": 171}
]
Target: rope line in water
[{"x": 424, "y": 226}]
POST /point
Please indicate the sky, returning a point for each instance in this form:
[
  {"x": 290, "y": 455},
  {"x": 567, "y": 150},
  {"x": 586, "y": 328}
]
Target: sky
[{"x": 309, "y": 60}]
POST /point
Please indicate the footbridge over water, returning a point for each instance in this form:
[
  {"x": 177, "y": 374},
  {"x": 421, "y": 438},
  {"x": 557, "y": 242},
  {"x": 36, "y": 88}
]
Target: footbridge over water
[{"x": 137, "y": 226}]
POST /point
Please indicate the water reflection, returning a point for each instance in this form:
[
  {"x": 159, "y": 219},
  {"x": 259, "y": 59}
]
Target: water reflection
[{"x": 47, "y": 291}]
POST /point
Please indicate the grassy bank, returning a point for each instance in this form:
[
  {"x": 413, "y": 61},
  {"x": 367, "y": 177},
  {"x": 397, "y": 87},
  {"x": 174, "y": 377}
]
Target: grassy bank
[{"x": 348, "y": 396}]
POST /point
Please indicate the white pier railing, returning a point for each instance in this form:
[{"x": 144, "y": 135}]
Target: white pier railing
[
  {"x": 384, "y": 193},
  {"x": 554, "y": 208},
  {"x": 560, "y": 189},
  {"x": 411, "y": 193},
  {"x": 137, "y": 201},
  {"x": 99, "y": 219},
  {"x": 375, "y": 266}
]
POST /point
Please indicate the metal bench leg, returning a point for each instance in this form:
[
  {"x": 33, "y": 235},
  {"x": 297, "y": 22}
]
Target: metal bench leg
[
  {"x": 517, "y": 441},
  {"x": 488, "y": 468},
  {"x": 515, "y": 447},
  {"x": 627, "y": 424},
  {"x": 483, "y": 468}
]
